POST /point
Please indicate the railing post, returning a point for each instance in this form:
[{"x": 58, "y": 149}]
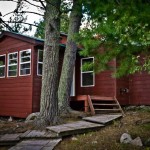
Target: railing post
[{"x": 91, "y": 105}]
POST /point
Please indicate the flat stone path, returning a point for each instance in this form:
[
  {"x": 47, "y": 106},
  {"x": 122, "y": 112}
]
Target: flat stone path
[
  {"x": 39, "y": 144},
  {"x": 102, "y": 119},
  {"x": 74, "y": 128}
]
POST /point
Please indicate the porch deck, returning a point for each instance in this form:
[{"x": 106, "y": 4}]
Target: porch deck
[
  {"x": 83, "y": 98},
  {"x": 97, "y": 104}
]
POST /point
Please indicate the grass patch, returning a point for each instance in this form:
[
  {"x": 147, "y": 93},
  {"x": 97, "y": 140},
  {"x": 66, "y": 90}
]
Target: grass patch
[{"x": 108, "y": 138}]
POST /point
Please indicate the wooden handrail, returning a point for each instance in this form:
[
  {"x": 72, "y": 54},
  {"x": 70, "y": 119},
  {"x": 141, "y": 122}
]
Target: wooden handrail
[
  {"x": 119, "y": 106},
  {"x": 91, "y": 105}
]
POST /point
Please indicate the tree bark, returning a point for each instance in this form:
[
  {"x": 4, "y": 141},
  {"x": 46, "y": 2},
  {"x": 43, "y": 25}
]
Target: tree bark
[
  {"x": 69, "y": 58},
  {"x": 49, "y": 99}
]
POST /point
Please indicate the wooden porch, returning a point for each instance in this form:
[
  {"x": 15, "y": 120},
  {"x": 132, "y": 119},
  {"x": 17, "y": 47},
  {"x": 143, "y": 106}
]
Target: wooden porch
[{"x": 98, "y": 104}]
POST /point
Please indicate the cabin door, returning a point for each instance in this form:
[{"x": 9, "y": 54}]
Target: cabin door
[{"x": 72, "y": 93}]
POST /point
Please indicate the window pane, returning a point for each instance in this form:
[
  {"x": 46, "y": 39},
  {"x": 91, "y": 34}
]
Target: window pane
[
  {"x": 12, "y": 64},
  {"x": 2, "y": 66},
  {"x": 2, "y": 71},
  {"x": 87, "y": 64},
  {"x": 40, "y": 69},
  {"x": 13, "y": 56},
  {"x": 25, "y": 59},
  {"x": 12, "y": 61},
  {"x": 25, "y": 53},
  {"x": 25, "y": 66},
  {"x": 2, "y": 60},
  {"x": 87, "y": 60},
  {"x": 24, "y": 71},
  {"x": 40, "y": 56},
  {"x": 87, "y": 79},
  {"x": 12, "y": 67},
  {"x": 12, "y": 73}
]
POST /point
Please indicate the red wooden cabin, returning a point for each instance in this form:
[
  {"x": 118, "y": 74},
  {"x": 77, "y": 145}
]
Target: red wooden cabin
[{"x": 21, "y": 71}]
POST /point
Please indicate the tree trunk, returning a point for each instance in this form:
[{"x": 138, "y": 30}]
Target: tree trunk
[
  {"x": 69, "y": 58},
  {"x": 49, "y": 98}
]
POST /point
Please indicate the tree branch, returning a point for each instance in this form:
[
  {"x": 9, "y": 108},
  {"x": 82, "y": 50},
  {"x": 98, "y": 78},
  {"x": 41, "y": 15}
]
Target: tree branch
[
  {"x": 22, "y": 23},
  {"x": 34, "y": 4},
  {"x": 31, "y": 13},
  {"x": 23, "y": 12},
  {"x": 42, "y": 4},
  {"x": 10, "y": 0},
  {"x": 118, "y": 2},
  {"x": 5, "y": 24}
]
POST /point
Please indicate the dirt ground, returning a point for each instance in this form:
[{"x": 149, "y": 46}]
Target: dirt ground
[
  {"x": 135, "y": 122},
  {"x": 14, "y": 126}
]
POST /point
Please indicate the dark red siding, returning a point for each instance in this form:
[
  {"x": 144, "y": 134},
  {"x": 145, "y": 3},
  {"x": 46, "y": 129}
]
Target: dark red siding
[
  {"x": 37, "y": 80},
  {"x": 122, "y": 87},
  {"x": 16, "y": 96},
  {"x": 140, "y": 89},
  {"x": 15, "y": 92}
]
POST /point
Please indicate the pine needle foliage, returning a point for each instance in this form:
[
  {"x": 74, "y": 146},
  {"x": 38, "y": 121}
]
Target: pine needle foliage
[{"x": 118, "y": 30}]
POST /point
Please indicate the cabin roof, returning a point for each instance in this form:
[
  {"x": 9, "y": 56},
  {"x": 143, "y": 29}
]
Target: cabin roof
[{"x": 29, "y": 39}]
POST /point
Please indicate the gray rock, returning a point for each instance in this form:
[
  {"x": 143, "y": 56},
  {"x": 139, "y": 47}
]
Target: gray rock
[
  {"x": 131, "y": 108},
  {"x": 10, "y": 119},
  {"x": 142, "y": 106},
  {"x": 74, "y": 139},
  {"x": 94, "y": 142},
  {"x": 137, "y": 141},
  {"x": 31, "y": 117},
  {"x": 125, "y": 138}
]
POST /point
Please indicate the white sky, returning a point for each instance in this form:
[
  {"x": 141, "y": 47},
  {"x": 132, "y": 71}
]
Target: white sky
[{"x": 6, "y": 7}]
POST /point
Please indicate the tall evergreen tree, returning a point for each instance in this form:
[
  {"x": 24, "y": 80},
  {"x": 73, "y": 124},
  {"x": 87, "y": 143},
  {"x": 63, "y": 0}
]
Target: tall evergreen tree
[
  {"x": 69, "y": 57},
  {"x": 64, "y": 25},
  {"x": 49, "y": 98},
  {"x": 122, "y": 28}
]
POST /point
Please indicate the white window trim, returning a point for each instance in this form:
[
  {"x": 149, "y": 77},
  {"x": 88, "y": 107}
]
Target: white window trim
[
  {"x": 39, "y": 63},
  {"x": 11, "y": 65},
  {"x": 24, "y": 62},
  {"x": 87, "y": 72},
  {"x": 4, "y": 66},
  {"x": 73, "y": 84}
]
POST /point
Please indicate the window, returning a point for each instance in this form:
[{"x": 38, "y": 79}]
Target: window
[
  {"x": 87, "y": 73},
  {"x": 40, "y": 62},
  {"x": 25, "y": 62},
  {"x": 12, "y": 64},
  {"x": 2, "y": 66}
]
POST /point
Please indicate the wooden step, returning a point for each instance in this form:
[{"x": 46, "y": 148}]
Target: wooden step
[
  {"x": 106, "y": 104},
  {"x": 36, "y": 144},
  {"x": 9, "y": 139},
  {"x": 107, "y": 110},
  {"x": 97, "y": 104},
  {"x": 74, "y": 128},
  {"x": 102, "y": 98},
  {"x": 103, "y": 119}
]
